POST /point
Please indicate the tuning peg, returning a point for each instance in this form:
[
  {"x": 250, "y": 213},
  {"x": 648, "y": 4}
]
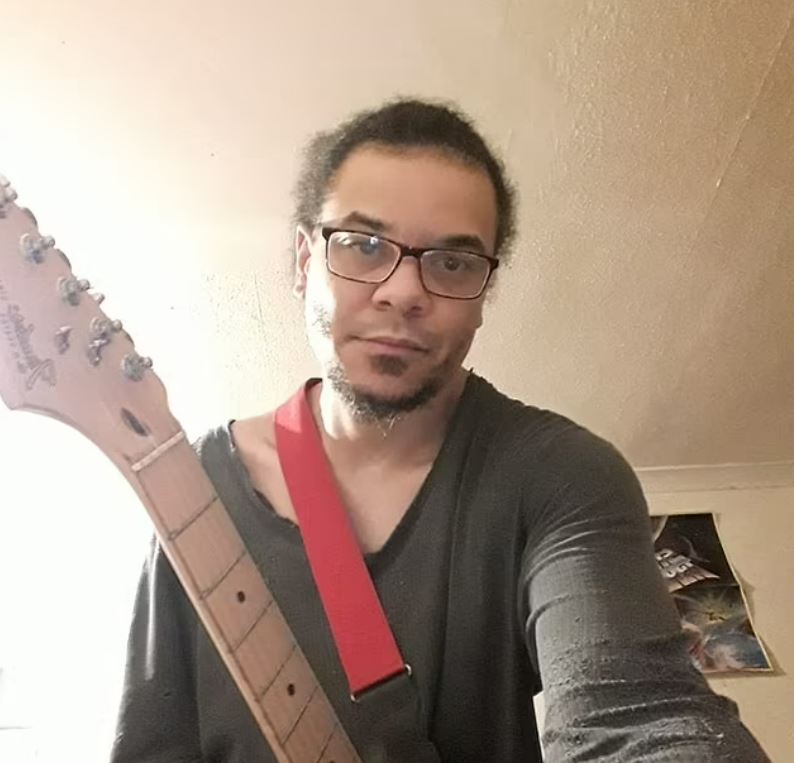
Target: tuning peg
[
  {"x": 62, "y": 339},
  {"x": 98, "y": 297},
  {"x": 71, "y": 288},
  {"x": 102, "y": 328},
  {"x": 134, "y": 366},
  {"x": 7, "y": 193},
  {"x": 33, "y": 247},
  {"x": 101, "y": 331},
  {"x": 94, "y": 350}
]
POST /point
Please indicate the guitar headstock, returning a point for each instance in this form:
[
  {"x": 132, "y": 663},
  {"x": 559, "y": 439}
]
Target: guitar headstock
[{"x": 61, "y": 355}]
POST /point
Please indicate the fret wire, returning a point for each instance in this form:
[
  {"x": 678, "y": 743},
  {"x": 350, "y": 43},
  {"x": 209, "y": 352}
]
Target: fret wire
[
  {"x": 278, "y": 673},
  {"x": 174, "y": 534},
  {"x": 208, "y": 591},
  {"x": 328, "y": 741},
  {"x": 232, "y": 652},
  {"x": 301, "y": 714},
  {"x": 253, "y": 696},
  {"x": 156, "y": 452},
  {"x": 252, "y": 626}
]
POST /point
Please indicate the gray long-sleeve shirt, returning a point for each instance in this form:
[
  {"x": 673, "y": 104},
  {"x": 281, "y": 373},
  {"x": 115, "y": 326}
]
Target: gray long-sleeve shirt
[{"x": 525, "y": 560}]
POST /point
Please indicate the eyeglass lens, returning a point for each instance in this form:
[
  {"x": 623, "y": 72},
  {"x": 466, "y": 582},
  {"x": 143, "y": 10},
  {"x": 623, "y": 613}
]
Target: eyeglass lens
[{"x": 370, "y": 259}]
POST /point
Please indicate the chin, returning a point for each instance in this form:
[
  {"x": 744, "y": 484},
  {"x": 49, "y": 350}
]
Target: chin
[
  {"x": 384, "y": 386},
  {"x": 374, "y": 395}
]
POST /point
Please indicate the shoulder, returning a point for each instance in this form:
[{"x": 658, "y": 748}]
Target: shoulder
[
  {"x": 242, "y": 462},
  {"x": 248, "y": 440},
  {"x": 532, "y": 433},
  {"x": 546, "y": 451}
]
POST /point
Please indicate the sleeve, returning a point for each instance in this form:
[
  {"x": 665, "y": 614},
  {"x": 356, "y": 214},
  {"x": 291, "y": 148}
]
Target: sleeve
[
  {"x": 158, "y": 721},
  {"x": 601, "y": 628}
]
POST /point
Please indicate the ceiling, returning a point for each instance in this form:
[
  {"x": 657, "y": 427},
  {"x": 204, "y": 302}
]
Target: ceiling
[{"x": 651, "y": 294}]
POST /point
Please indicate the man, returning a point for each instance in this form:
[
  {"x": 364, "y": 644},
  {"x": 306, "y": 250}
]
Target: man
[{"x": 510, "y": 548}]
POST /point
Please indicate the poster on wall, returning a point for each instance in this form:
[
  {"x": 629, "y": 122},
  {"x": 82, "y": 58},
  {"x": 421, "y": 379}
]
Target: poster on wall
[{"x": 708, "y": 596}]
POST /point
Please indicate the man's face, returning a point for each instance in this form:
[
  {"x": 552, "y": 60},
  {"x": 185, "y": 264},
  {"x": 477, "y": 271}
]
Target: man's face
[{"x": 390, "y": 347}]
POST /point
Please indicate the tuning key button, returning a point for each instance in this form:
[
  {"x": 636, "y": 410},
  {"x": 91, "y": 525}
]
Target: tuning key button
[
  {"x": 94, "y": 350},
  {"x": 33, "y": 247},
  {"x": 134, "y": 366},
  {"x": 72, "y": 288},
  {"x": 101, "y": 331},
  {"x": 7, "y": 194},
  {"x": 103, "y": 328},
  {"x": 62, "y": 339}
]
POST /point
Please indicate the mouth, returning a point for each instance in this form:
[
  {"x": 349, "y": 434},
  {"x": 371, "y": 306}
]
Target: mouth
[{"x": 390, "y": 344}]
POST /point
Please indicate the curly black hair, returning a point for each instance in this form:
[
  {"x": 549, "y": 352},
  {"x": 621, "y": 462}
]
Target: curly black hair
[{"x": 403, "y": 123}]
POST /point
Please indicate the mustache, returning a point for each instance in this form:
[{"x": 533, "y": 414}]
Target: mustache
[{"x": 322, "y": 323}]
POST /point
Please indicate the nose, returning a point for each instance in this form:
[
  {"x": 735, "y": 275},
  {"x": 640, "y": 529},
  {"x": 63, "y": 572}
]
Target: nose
[{"x": 403, "y": 289}]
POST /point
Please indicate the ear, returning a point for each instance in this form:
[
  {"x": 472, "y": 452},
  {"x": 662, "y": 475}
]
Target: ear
[
  {"x": 478, "y": 322},
  {"x": 303, "y": 254},
  {"x": 490, "y": 291}
]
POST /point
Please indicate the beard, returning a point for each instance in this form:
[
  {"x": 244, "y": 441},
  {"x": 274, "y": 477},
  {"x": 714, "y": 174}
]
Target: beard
[{"x": 368, "y": 406}]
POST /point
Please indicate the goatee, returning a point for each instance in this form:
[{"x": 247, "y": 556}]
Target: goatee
[
  {"x": 367, "y": 406},
  {"x": 370, "y": 407}
]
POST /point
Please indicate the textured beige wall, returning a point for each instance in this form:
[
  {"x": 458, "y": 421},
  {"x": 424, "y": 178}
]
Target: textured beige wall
[{"x": 157, "y": 141}]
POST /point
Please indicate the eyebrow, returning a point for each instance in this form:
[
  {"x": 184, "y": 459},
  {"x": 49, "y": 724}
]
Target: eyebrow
[
  {"x": 465, "y": 241},
  {"x": 359, "y": 218},
  {"x": 462, "y": 241}
]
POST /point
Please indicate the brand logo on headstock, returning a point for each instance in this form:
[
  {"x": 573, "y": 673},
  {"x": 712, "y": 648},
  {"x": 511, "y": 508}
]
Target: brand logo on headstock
[{"x": 17, "y": 332}]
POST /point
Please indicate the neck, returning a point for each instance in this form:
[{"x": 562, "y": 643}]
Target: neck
[{"x": 411, "y": 439}]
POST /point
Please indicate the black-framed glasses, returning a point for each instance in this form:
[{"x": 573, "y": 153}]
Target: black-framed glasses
[{"x": 369, "y": 258}]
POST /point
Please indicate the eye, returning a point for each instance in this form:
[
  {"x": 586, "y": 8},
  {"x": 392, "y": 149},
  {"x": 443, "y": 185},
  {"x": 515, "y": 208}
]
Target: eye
[
  {"x": 454, "y": 263},
  {"x": 367, "y": 245}
]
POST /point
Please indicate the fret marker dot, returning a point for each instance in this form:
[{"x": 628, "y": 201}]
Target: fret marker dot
[
  {"x": 291, "y": 690},
  {"x": 241, "y": 596}
]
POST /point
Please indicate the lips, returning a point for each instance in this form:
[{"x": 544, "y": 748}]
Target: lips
[{"x": 397, "y": 343}]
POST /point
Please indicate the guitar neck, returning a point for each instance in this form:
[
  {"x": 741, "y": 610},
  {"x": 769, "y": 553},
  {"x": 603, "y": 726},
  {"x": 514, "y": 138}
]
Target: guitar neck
[{"x": 236, "y": 607}]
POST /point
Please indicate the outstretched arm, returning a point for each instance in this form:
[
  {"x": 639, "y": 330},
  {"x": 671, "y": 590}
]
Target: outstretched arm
[{"x": 602, "y": 629}]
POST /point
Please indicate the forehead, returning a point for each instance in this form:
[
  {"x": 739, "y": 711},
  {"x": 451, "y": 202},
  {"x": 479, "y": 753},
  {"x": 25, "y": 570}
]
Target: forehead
[{"x": 421, "y": 194}]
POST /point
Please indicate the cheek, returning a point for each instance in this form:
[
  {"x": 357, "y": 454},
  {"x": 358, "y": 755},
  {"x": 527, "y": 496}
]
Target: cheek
[
  {"x": 466, "y": 321},
  {"x": 320, "y": 298},
  {"x": 332, "y": 304},
  {"x": 319, "y": 310}
]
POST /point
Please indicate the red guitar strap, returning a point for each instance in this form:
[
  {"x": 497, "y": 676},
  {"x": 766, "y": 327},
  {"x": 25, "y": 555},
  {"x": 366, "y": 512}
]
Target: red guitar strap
[{"x": 364, "y": 640}]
